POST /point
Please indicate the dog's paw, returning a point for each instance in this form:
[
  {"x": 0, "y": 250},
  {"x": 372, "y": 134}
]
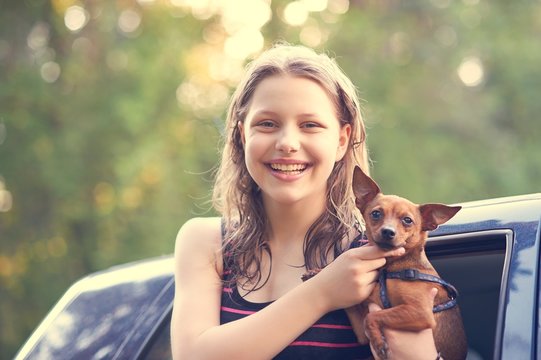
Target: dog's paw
[
  {"x": 384, "y": 352},
  {"x": 380, "y": 349},
  {"x": 310, "y": 274}
]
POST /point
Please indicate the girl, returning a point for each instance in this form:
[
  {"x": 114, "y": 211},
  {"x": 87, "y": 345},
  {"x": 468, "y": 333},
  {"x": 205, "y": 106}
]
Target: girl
[{"x": 294, "y": 135}]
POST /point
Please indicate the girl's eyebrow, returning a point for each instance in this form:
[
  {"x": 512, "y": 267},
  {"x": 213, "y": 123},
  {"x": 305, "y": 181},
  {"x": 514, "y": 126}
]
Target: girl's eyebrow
[
  {"x": 265, "y": 113},
  {"x": 308, "y": 115},
  {"x": 273, "y": 113}
]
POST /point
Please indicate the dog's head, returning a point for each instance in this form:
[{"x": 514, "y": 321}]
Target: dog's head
[{"x": 392, "y": 221}]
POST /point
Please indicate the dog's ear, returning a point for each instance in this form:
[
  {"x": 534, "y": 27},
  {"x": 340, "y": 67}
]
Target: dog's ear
[
  {"x": 436, "y": 214},
  {"x": 364, "y": 188}
]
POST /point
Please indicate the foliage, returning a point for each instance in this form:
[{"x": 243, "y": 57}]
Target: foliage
[{"x": 111, "y": 114}]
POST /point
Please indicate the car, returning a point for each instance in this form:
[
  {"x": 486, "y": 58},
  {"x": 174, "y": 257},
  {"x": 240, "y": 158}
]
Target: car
[{"x": 490, "y": 251}]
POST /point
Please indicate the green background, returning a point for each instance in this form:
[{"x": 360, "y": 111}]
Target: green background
[{"x": 111, "y": 112}]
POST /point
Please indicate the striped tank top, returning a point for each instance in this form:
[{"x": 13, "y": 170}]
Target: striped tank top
[{"x": 331, "y": 337}]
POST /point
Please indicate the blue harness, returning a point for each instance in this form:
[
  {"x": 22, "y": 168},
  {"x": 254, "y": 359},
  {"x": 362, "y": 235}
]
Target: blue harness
[{"x": 415, "y": 275}]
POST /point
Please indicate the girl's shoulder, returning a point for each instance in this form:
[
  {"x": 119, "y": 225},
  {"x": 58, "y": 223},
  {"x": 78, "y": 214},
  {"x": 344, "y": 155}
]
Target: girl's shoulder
[
  {"x": 206, "y": 226},
  {"x": 200, "y": 237}
]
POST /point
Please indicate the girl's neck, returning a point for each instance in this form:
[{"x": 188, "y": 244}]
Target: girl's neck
[{"x": 290, "y": 223}]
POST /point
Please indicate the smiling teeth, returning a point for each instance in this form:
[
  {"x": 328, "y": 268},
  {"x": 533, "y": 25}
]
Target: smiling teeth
[{"x": 288, "y": 167}]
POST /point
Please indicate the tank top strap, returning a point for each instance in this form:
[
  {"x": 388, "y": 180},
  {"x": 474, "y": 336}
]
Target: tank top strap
[{"x": 227, "y": 260}]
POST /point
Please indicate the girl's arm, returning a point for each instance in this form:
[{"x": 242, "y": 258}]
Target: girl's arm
[{"x": 196, "y": 332}]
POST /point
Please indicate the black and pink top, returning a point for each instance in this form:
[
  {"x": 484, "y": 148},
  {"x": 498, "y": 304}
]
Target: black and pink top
[{"x": 331, "y": 337}]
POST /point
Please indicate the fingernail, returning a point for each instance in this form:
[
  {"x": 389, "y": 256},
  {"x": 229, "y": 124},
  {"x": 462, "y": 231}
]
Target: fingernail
[{"x": 401, "y": 251}]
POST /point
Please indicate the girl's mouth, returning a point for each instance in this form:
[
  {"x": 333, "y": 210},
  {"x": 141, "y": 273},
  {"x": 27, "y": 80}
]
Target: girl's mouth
[{"x": 289, "y": 169}]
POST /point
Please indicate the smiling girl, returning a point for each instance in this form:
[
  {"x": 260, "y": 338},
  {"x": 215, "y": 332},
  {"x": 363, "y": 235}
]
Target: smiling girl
[{"x": 294, "y": 135}]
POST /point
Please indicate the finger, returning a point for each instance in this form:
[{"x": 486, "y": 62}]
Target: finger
[
  {"x": 372, "y": 265},
  {"x": 372, "y": 307},
  {"x": 371, "y": 252},
  {"x": 373, "y": 276}
]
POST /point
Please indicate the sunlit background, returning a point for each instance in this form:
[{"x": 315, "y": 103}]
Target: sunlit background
[{"x": 111, "y": 114}]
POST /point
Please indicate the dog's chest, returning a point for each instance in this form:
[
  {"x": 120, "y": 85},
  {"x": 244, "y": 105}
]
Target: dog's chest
[{"x": 397, "y": 292}]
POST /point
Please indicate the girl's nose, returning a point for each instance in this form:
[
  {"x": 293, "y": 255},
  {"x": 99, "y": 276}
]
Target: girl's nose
[{"x": 288, "y": 140}]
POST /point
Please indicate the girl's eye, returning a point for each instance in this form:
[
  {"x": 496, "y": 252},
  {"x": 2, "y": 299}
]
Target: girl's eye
[
  {"x": 407, "y": 221},
  {"x": 266, "y": 124},
  {"x": 311, "y": 125},
  {"x": 375, "y": 215}
]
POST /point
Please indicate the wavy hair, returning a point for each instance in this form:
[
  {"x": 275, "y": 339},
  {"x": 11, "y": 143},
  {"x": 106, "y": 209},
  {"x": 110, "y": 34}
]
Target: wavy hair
[{"x": 237, "y": 197}]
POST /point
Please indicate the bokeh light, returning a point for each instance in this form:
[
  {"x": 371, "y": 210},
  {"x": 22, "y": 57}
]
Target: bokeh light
[
  {"x": 76, "y": 18},
  {"x": 6, "y": 199},
  {"x": 38, "y": 38},
  {"x": 240, "y": 14},
  {"x": 338, "y": 7},
  {"x": 295, "y": 13},
  {"x": 50, "y": 71},
  {"x": 129, "y": 21},
  {"x": 311, "y": 35},
  {"x": 446, "y": 35},
  {"x": 104, "y": 197},
  {"x": 244, "y": 43},
  {"x": 471, "y": 71}
]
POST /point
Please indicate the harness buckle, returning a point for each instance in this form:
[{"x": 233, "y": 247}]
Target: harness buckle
[{"x": 410, "y": 274}]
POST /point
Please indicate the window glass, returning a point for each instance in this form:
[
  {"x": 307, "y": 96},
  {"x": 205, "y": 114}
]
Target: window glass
[{"x": 160, "y": 349}]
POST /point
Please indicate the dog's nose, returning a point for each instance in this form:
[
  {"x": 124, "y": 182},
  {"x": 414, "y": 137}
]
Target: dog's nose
[{"x": 388, "y": 233}]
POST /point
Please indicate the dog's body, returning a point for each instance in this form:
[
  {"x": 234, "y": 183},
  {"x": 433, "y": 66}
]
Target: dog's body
[{"x": 393, "y": 222}]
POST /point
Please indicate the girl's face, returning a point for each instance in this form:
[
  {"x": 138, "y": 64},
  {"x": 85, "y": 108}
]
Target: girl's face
[{"x": 292, "y": 139}]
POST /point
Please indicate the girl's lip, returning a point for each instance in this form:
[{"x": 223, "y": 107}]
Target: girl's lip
[
  {"x": 288, "y": 161},
  {"x": 291, "y": 176}
]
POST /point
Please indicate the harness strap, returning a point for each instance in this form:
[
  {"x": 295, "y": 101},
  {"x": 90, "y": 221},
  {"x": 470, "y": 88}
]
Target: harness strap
[{"x": 415, "y": 275}]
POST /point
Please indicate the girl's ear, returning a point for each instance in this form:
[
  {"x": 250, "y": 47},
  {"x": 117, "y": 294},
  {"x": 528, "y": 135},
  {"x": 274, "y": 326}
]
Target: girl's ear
[
  {"x": 343, "y": 141},
  {"x": 240, "y": 126}
]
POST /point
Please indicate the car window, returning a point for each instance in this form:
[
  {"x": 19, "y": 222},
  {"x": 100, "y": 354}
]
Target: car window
[
  {"x": 474, "y": 264},
  {"x": 160, "y": 348}
]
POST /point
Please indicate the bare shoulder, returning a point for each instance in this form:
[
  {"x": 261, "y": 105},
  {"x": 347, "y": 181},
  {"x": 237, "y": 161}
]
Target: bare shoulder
[
  {"x": 200, "y": 227},
  {"x": 199, "y": 238}
]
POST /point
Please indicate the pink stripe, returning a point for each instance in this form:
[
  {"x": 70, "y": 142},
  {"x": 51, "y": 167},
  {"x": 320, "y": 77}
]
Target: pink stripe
[
  {"x": 227, "y": 290},
  {"x": 324, "y": 344},
  {"x": 332, "y": 326},
  {"x": 237, "y": 311}
]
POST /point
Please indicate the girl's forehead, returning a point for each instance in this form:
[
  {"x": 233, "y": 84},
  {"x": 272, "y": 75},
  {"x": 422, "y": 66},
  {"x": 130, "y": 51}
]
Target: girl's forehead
[{"x": 291, "y": 90}]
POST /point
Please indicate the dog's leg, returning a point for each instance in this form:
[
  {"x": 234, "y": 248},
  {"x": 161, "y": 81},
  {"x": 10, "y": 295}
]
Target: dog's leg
[
  {"x": 356, "y": 315},
  {"x": 402, "y": 317}
]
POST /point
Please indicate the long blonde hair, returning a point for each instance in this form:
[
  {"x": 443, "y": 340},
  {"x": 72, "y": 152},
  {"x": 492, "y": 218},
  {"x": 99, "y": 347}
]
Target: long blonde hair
[{"x": 237, "y": 197}]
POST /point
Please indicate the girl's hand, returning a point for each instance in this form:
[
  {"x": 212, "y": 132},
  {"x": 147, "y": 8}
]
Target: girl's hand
[
  {"x": 351, "y": 277},
  {"x": 406, "y": 345}
]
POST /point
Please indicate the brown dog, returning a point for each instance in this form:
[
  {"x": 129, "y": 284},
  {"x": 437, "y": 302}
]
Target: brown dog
[
  {"x": 392, "y": 222},
  {"x": 403, "y": 290}
]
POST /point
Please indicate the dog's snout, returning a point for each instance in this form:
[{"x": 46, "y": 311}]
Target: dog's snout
[{"x": 388, "y": 233}]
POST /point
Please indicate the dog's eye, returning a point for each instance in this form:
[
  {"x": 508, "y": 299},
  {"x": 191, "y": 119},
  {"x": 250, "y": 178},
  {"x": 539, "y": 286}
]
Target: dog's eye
[
  {"x": 407, "y": 221},
  {"x": 376, "y": 214}
]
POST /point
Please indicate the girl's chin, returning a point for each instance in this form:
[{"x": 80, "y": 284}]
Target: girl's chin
[
  {"x": 292, "y": 197},
  {"x": 281, "y": 197}
]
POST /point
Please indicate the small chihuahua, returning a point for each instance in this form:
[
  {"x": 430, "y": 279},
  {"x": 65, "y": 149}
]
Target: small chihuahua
[{"x": 403, "y": 289}]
